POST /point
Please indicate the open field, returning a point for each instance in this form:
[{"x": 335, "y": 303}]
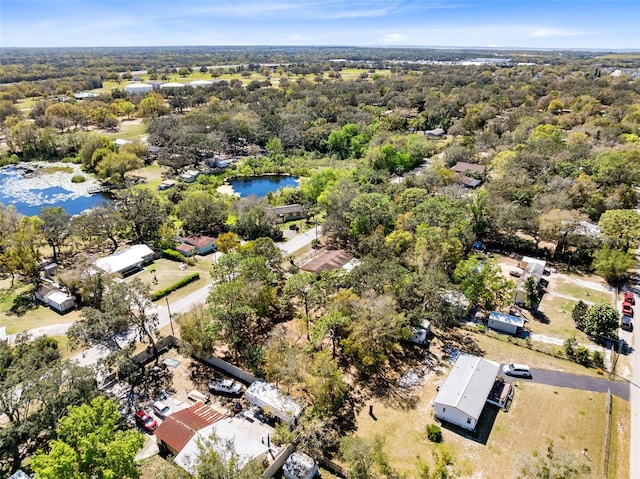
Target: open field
[
  {"x": 558, "y": 313},
  {"x": 129, "y": 130},
  {"x": 505, "y": 439},
  {"x": 152, "y": 174}
]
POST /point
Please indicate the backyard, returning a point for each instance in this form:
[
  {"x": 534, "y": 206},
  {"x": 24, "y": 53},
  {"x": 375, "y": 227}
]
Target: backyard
[{"x": 505, "y": 439}]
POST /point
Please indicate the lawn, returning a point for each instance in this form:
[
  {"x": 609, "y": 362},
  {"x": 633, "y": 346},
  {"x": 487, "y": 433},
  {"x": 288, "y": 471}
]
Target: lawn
[
  {"x": 577, "y": 422},
  {"x": 19, "y": 311},
  {"x": 581, "y": 292},
  {"x": 558, "y": 313},
  {"x": 168, "y": 272},
  {"x": 505, "y": 350},
  {"x": 129, "y": 130},
  {"x": 152, "y": 174}
]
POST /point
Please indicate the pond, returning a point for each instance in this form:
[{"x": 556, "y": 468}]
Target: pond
[
  {"x": 31, "y": 186},
  {"x": 261, "y": 186}
]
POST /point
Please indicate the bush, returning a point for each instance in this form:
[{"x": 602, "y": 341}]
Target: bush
[
  {"x": 434, "y": 433},
  {"x": 78, "y": 179},
  {"x": 582, "y": 355},
  {"x": 597, "y": 358},
  {"x": 570, "y": 346},
  {"x": 175, "y": 286},
  {"x": 173, "y": 255}
]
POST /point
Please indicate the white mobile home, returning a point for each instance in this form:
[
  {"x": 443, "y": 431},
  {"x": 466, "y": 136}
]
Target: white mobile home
[
  {"x": 505, "y": 323},
  {"x": 273, "y": 401},
  {"x": 462, "y": 397},
  {"x": 138, "y": 88},
  {"x": 126, "y": 261}
]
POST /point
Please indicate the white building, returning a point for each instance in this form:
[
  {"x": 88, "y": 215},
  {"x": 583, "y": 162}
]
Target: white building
[
  {"x": 169, "y": 85},
  {"x": 505, "y": 323},
  {"x": 55, "y": 298},
  {"x": 138, "y": 88},
  {"x": 273, "y": 401},
  {"x": 201, "y": 83},
  {"x": 462, "y": 397},
  {"x": 247, "y": 447},
  {"x": 125, "y": 261}
]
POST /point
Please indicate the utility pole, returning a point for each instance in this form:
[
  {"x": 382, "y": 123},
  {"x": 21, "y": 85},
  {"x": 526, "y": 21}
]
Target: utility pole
[{"x": 170, "y": 320}]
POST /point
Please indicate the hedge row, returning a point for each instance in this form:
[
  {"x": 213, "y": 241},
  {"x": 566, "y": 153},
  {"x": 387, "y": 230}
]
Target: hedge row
[
  {"x": 173, "y": 255},
  {"x": 175, "y": 286}
]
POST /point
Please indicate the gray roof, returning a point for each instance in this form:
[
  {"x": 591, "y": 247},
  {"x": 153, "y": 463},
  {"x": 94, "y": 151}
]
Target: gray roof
[
  {"x": 507, "y": 318},
  {"x": 468, "y": 385}
]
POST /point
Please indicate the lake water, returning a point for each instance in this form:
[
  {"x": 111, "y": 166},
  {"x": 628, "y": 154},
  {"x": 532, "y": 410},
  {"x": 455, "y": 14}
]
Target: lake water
[
  {"x": 260, "y": 186},
  {"x": 28, "y": 190}
]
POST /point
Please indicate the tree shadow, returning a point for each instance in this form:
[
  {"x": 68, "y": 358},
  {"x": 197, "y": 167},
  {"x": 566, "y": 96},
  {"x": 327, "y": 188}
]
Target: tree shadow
[
  {"x": 22, "y": 304},
  {"x": 540, "y": 317}
]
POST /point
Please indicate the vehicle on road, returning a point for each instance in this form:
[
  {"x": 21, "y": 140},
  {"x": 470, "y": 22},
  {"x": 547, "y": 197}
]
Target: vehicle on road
[
  {"x": 145, "y": 421},
  {"x": 626, "y": 323},
  {"x": 161, "y": 409},
  {"x": 227, "y": 387},
  {"x": 517, "y": 370},
  {"x": 627, "y": 310},
  {"x": 629, "y": 298}
]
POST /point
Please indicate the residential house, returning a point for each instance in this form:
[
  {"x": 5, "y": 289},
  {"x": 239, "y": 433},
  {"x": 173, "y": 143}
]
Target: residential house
[
  {"x": 126, "y": 261},
  {"x": 84, "y": 95},
  {"x": 462, "y": 397},
  {"x": 534, "y": 268},
  {"x": 282, "y": 214},
  {"x": 177, "y": 429},
  {"x": 166, "y": 184},
  {"x": 463, "y": 169},
  {"x": 196, "y": 244},
  {"x": 328, "y": 260},
  {"x": 190, "y": 176},
  {"x": 52, "y": 296},
  {"x": 229, "y": 430}
]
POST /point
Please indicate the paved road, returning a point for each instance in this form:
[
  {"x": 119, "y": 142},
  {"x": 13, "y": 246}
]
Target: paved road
[
  {"x": 93, "y": 355},
  {"x": 300, "y": 241},
  {"x": 576, "y": 381}
]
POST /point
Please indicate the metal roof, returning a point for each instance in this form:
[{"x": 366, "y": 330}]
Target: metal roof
[
  {"x": 177, "y": 429},
  {"x": 123, "y": 260},
  {"x": 507, "y": 318},
  {"x": 468, "y": 385}
]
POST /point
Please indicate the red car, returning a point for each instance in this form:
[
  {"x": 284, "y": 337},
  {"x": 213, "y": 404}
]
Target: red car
[
  {"x": 145, "y": 421},
  {"x": 627, "y": 310},
  {"x": 629, "y": 298}
]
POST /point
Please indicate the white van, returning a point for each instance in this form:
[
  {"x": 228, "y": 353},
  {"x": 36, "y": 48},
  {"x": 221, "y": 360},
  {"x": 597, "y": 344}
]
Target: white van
[{"x": 519, "y": 370}]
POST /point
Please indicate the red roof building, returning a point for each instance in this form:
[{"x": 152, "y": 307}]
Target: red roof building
[{"x": 177, "y": 429}]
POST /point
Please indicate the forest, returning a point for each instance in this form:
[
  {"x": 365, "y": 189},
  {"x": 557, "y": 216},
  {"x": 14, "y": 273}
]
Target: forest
[{"x": 552, "y": 140}]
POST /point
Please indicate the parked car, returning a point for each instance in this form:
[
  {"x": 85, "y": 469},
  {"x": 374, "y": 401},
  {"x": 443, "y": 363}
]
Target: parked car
[
  {"x": 517, "y": 370},
  {"x": 626, "y": 323},
  {"x": 515, "y": 274},
  {"x": 145, "y": 421},
  {"x": 161, "y": 409},
  {"x": 629, "y": 297},
  {"x": 225, "y": 386},
  {"x": 627, "y": 310}
]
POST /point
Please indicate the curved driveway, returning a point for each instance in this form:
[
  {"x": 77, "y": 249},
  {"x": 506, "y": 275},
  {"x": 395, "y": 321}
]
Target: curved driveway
[{"x": 576, "y": 381}]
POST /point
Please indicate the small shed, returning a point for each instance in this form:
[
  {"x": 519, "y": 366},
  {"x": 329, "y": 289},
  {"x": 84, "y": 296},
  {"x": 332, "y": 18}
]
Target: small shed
[
  {"x": 166, "y": 184},
  {"x": 435, "y": 133},
  {"x": 463, "y": 395},
  {"x": 505, "y": 323},
  {"x": 273, "y": 401},
  {"x": 420, "y": 334},
  {"x": 300, "y": 466}
]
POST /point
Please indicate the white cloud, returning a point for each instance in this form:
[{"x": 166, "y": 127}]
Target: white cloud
[
  {"x": 393, "y": 38},
  {"x": 543, "y": 32}
]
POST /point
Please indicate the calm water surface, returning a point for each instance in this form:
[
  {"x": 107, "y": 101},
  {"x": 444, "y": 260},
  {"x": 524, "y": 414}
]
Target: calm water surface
[{"x": 260, "y": 186}]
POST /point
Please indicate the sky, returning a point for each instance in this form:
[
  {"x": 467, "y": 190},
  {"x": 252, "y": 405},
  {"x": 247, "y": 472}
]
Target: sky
[{"x": 587, "y": 24}]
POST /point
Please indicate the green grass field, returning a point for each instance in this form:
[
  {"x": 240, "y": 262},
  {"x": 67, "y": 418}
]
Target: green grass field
[
  {"x": 573, "y": 419},
  {"x": 129, "y": 130},
  {"x": 581, "y": 292},
  {"x": 558, "y": 312}
]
